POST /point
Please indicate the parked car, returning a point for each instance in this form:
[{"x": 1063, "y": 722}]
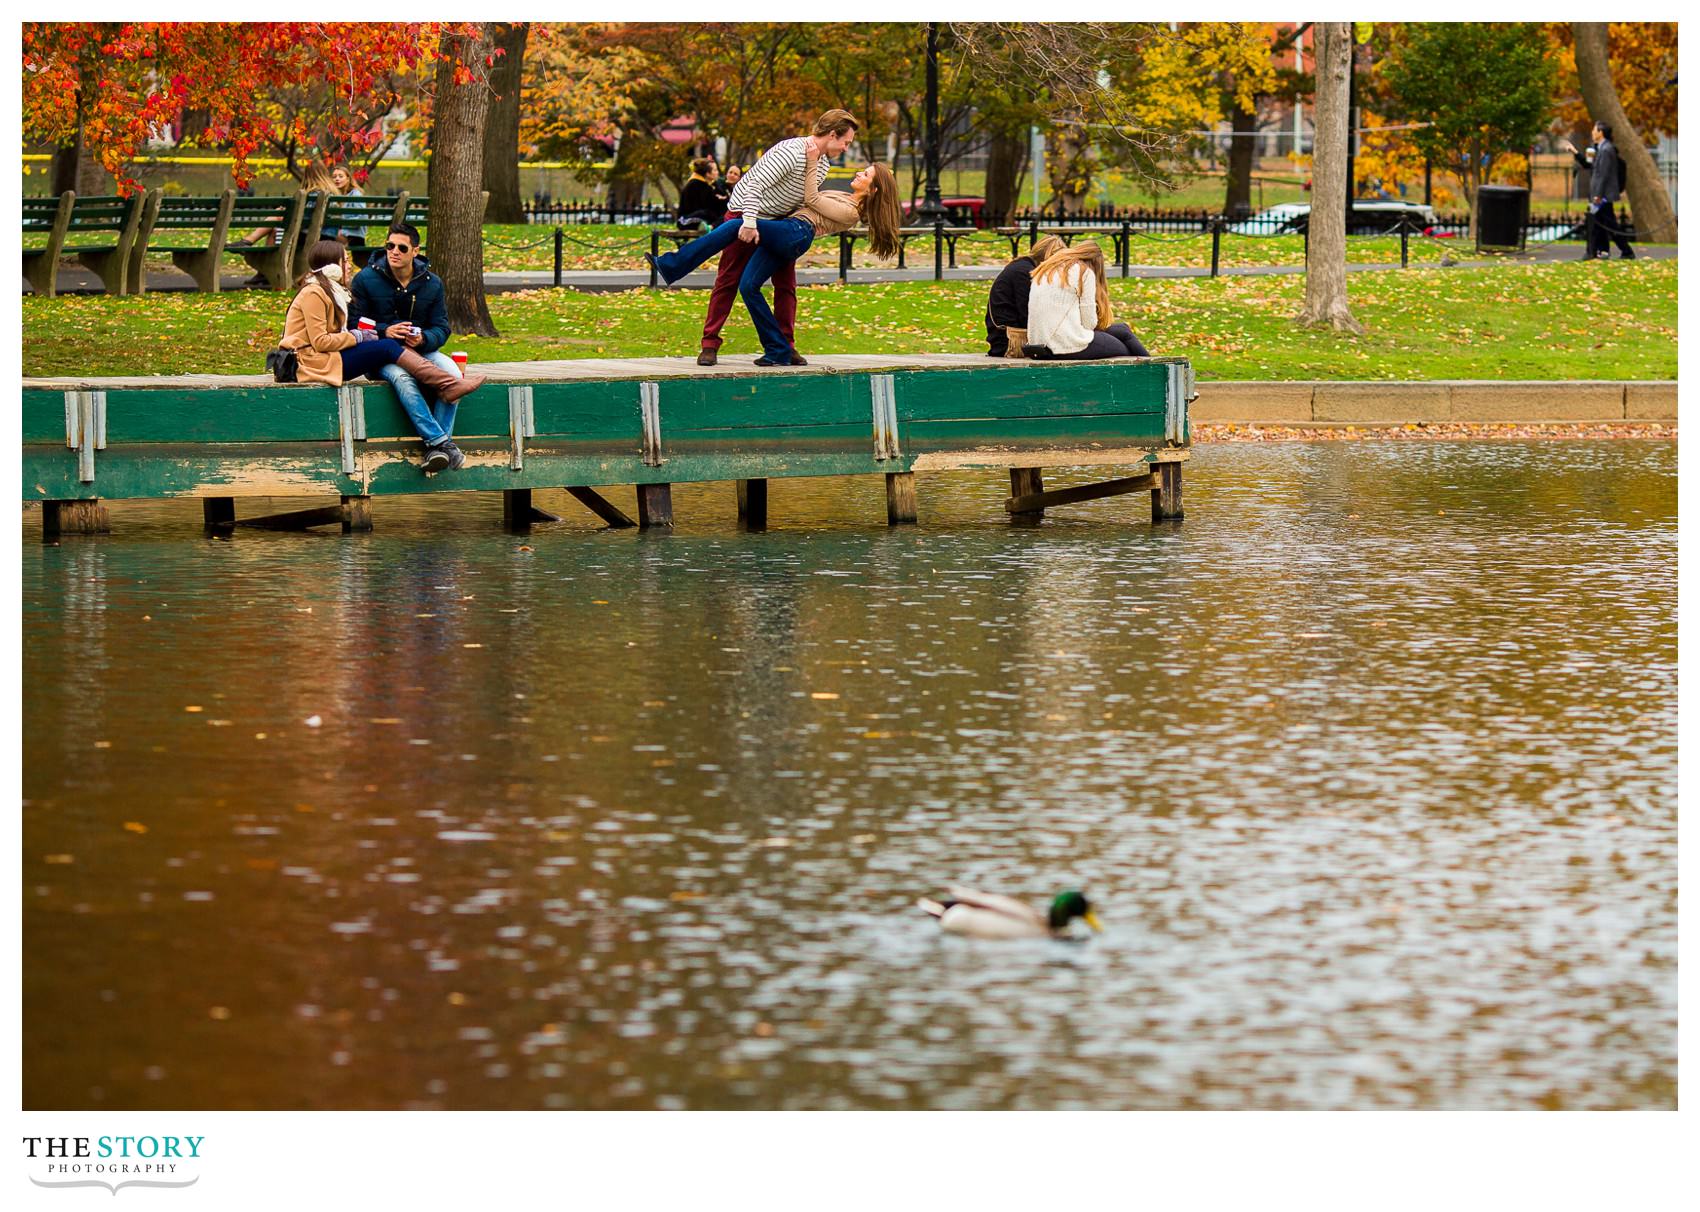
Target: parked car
[
  {"x": 1559, "y": 231},
  {"x": 1369, "y": 216},
  {"x": 959, "y": 212}
]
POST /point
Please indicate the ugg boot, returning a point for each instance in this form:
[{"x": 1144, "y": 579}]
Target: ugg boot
[{"x": 426, "y": 373}]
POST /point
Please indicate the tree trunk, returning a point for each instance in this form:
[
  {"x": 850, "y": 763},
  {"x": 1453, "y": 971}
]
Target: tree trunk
[
  {"x": 1242, "y": 156},
  {"x": 1654, "y": 217},
  {"x": 1004, "y": 163},
  {"x": 457, "y": 181},
  {"x": 501, "y": 133},
  {"x": 1325, "y": 260}
]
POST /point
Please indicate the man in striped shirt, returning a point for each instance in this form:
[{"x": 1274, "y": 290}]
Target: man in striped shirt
[{"x": 771, "y": 189}]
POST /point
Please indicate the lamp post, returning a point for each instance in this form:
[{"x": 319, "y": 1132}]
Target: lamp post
[{"x": 932, "y": 205}]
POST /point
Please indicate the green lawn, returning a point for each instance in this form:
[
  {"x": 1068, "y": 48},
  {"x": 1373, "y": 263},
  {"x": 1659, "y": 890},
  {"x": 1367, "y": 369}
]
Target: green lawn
[{"x": 1582, "y": 320}]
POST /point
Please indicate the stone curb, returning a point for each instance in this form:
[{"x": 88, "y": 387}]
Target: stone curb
[{"x": 1394, "y": 403}]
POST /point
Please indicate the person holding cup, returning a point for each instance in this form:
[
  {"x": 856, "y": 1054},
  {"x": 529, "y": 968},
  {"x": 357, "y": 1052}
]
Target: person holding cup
[{"x": 404, "y": 300}]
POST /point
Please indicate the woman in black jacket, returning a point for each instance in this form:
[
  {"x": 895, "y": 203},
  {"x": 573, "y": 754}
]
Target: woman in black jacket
[
  {"x": 698, "y": 202},
  {"x": 1007, "y": 307}
]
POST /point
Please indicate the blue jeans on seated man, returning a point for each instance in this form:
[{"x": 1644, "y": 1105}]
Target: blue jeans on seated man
[{"x": 434, "y": 420}]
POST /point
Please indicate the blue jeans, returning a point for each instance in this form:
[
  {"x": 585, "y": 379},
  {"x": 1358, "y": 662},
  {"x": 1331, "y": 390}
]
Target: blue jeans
[
  {"x": 434, "y": 419},
  {"x": 782, "y": 240},
  {"x": 676, "y": 264}
]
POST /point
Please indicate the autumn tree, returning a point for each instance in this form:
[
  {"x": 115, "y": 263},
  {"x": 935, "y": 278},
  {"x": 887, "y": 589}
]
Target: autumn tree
[
  {"x": 1325, "y": 248},
  {"x": 300, "y": 88},
  {"x": 1483, "y": 89},
  {"x": 1655, "y": 219},
  {"x": 1643, "y": 70},
  {"x": 501, "y": 130},
  {"x": 459, "y": 113}
]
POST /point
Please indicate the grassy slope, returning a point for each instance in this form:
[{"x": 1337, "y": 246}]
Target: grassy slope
[{"x": 1599, "y": 320}]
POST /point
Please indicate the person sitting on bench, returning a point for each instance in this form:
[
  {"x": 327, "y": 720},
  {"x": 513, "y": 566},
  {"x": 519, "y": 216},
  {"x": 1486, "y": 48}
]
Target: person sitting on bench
[
  {"x": 1068, "y": 310},
  {"x": 327, "y": 352},
  {"x": 699, "y": 204},
  {"x": 1006, "y": 310},
  {"x": 399, "y": 293}
]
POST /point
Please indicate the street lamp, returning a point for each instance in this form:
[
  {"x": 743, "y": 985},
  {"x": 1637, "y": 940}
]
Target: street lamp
[{"x": 932, "y": 205}]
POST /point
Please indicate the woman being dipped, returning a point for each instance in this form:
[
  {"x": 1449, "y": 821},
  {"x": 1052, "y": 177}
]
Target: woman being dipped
[
  {"x": 872, "y": 201},
  {"x": 315, "y": 328},
  {"x": 1068, "y": 310}
]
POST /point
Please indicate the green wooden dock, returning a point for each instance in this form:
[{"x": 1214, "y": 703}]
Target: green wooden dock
[{"x": 587, "y": 424}]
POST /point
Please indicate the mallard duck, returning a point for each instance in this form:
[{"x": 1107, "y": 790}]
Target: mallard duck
[{"x": 988, "y": 915}]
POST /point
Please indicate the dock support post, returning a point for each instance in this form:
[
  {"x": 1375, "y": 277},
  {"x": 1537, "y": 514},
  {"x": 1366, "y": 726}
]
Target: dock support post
[
  {"x": 218, "y": 513},
  {"x": 900, "y": 507},
  {"x": 655, "y": 505},
  {"x": 356, "y": 513},
  {"x": 73, "y": 517},
  {"x": 518, "y": 513},
  {"x": 601, "y": 507},
  {"x": 1166, "y": 496},
  {"x": 752, "y": 504},
  {"x": 1025, "y": 481}
]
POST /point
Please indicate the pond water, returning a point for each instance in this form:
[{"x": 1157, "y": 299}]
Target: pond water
[{"x": 1369, "y": 766}]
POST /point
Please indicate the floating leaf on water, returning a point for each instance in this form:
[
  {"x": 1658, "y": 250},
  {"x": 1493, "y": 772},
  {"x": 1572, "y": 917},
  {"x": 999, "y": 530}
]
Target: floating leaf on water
[
  {"x": 311, "y": 721},
  {"x": 135, "y": 827}
]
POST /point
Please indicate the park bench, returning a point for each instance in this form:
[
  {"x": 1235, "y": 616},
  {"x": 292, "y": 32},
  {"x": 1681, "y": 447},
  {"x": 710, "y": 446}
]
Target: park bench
[
  {"x": 178, "y": 217},
  {"x": 1032, "y": 231},
  {"x": 69, "y": 215},
  {"x": 374, "y": 210},
  {"x": 846, "y": 243},
  {"x": 288, "y": 216},
  {"x": 589, "y": 423}
]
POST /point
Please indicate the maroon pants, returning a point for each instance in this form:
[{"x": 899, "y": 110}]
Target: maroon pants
[{"x": 725, "y": 293}]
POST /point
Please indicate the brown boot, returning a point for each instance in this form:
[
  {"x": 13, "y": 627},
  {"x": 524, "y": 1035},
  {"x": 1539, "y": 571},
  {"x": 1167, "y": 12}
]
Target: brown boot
[{"x": 427, "y": 373}]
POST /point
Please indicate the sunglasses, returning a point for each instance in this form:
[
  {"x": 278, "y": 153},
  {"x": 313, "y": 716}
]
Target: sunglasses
[{"x": 394, "y": 247}]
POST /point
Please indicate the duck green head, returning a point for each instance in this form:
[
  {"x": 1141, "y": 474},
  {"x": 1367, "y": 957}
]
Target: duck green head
[{"x": 1069, "y": 905}]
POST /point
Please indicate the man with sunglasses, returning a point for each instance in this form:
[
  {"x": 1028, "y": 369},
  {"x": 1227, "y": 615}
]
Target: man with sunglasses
[{"x": 400, "y": 294}]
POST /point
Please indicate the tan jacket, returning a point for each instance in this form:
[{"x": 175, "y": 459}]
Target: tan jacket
[
  {"x": 311, "y": 330},
  {"x": 829, "y": 210}
]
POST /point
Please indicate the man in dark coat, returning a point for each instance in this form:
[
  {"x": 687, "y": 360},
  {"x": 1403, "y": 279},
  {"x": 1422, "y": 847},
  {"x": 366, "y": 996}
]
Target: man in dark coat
[
  {"x": 1605, "y": 187},
  {"x": 405, "y": 299}
]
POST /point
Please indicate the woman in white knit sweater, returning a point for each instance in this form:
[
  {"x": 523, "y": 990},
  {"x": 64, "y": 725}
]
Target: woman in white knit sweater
[{"x": 1068, "y": 310}]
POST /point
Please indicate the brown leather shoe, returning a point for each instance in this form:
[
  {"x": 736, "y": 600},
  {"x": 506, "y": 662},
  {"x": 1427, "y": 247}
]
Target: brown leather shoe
[
  {"x": 798, "y": 359},
  {"x": 707, "y": 357}
]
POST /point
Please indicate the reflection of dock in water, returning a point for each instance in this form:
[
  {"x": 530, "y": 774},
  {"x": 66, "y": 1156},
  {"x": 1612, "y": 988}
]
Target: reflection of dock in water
[{"x": 586, "y": 424}]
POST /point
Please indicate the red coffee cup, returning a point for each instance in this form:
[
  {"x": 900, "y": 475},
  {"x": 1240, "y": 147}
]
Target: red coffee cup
[
  {"x": 368, "y": 324},
  {"x": 459, "y": 357}
]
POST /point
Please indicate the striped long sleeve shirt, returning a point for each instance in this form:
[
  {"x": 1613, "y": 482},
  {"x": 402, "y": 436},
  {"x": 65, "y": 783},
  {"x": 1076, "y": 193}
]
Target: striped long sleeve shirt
[{"x": 773, "y": 188}]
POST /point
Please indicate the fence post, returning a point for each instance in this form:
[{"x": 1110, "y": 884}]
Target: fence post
[
  {"x": 557, "y": 254},
  {"x": 1127, "y": 245},
  {"x": 844, "y": 247},
  {"x": 1404, "y": 243},
  {"x": 654, "y": 252},
  {"x": 938, "y": 250},
  {"x": 1032, "y": 231},
  {"x": 1216, "y": 247}
]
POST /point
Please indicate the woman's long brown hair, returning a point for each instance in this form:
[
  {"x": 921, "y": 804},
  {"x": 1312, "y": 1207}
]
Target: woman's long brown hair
[
  {"x": 1054, "y": 268},
  {"x": 323, "y": 253},
  {"x": 881, "y": 212}
]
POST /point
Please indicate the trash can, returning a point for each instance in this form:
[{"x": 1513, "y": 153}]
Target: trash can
[{"x": 1502, "y": 216}]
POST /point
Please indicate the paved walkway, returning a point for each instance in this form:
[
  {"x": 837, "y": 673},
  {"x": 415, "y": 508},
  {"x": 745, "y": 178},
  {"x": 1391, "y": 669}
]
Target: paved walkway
[{"x": 81, "y": 281}]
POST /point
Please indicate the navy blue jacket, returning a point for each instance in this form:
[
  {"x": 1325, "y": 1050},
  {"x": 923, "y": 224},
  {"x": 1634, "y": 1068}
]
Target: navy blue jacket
[{"x": 377, "y": 294}]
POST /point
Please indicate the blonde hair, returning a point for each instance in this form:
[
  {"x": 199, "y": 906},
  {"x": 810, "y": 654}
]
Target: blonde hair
[
  {"x": 881, "y": 212},
  {"x": 317, "y": 176},
  {"x": 1054, "y": 268},
  {"x": 1044, "y": 247}
]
